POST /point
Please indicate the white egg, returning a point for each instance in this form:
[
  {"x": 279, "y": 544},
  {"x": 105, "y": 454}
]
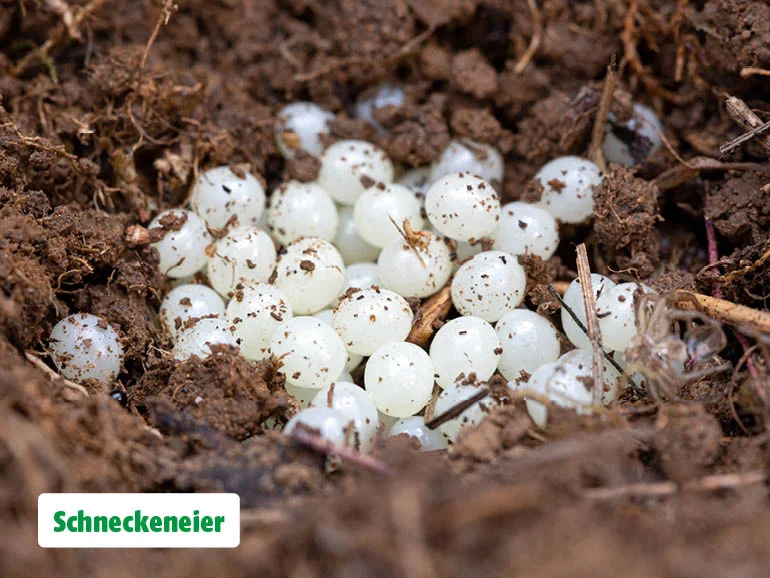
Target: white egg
[
  {"x": 301, "y": 210},
  {"x": 354, "y": 360},
  {"x": 311, "y": 274},
  {"x": 198, "y": 338},
  {"x": 463, "y": 206},
  {"x": 300, "y": 126},
  {"x": 617, "y": 315},
  {"x": 489, "y": 285},
  {"x": 414, "y": 427},
  {"x": 349, "y": 243},
  {"x": 220, "y": 195},
  {"x": 646, "y": 128},
  {"x": 242, "y": 257},
  {"x": 368, "y": 319},
  {"x": 568, "y": 188},
  {"x": 573, "y": 298},
  {"x": 418, "y": 271},
  {"x": 329, "y": 423},
  {"x": 182, "y": 249},
  {"x": 528, "y": 341},
  {"x": 471, "y": 417},
  {"x": 417, "y": 180},
  {"x": 356, "y": 406},
  {"x": 350, "y": 166},
  {"x": 462, "y": 348},
  {"x": 186, "y": 302},
  {"x": 467, "y": 156},
  {"x": 84, "y": 346},
  {"x": 381, "y": 210},
  {"x": 256, "y": 312},
  {"x": 385, "y": 95},
  {"x": 525, "y": 229},
  {"x": 399, "y": 378},
  {"x": 311, "y": 354},
  {"x": 362, "y": 275}
]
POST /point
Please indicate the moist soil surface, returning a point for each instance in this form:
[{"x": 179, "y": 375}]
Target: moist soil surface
[{"x": 109, "y": 111}]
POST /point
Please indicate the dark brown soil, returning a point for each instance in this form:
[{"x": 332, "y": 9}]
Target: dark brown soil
[{"x": 103, "y": 124}]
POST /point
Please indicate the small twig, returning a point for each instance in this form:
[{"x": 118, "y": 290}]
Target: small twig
[
  {"x": 457, "y": 409},
  {"x": 724, "y": 311},
  {"x": 534, "y": 43},
  {"x": 740, "y": 112},
  {"x": 168, "y": 8},
  {"x": 683, "y": 173},
  {"x": 434, "y": 309},
  {"x": 753, "y": 71},
  {"x": 600, "y": 122},
  {"x": 637, "y": 388},
  {"x": 730, "y": 146},
  {"x": 317, "y": 443},
  {"x": 55, "y": 377},
  {"x": 592, "y": 321},
  {"x": 663, "y": 489}
]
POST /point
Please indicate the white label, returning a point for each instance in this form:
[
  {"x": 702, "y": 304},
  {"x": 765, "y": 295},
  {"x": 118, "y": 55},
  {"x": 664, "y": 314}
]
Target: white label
[{"x": 138, "y": 520}]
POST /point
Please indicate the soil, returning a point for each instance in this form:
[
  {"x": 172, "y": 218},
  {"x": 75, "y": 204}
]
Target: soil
[{"x": 109, "y": 111}]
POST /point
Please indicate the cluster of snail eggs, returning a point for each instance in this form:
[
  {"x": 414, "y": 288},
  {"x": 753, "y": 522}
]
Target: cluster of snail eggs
[{"x": 321, "y": 277}]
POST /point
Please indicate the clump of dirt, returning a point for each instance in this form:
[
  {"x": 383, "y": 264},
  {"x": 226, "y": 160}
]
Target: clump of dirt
[
  {"x": 626, "y": 208},
  {"x": 740, "y": 208},
  {"x": 224, "y": 391}
]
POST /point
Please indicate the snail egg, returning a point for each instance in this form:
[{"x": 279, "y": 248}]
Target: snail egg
[
  {"x": 84, "y": 346},
  {"x": 182, "y": 249},
  {"x": 220, "y": 195}
]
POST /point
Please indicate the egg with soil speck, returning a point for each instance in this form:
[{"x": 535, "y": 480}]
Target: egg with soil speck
[{"x": 84, "y": 346}]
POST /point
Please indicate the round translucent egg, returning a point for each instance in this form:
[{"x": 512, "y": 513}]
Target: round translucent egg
[
  {"x": 362, "y": 275},
  {"x": 350, "y": 166},
  {"x": 489, "y": 285},
  {"x": 368, "y": 319},
  {"x": 568, "y": 188},
  {"x": 84, "y": 346},
  {"x": 417, "y": 180},
  {"x": 356, "y": 406},
  {"x": 463, "y": 206},
  {"x": 467, "y": 156},
  {"x": 182, "y": 249},
  {"x": 220, "y": 197},
  {"x": 525, "y": 229},
  {"x": 573, "y": 298},
  {"x": 381, "y": 210},
  {"x": 415, "y": 271},
  {"x": 256, "y": 312},
  {"x": 430, "y": 440},
  {"x": 462, "y": 348},
  {"x": 311, "y": 354},
  {"x": 617, "y": 315},
  {"x": 329, "y": 423},
  {"x": 646, "y": 128},
  {"x": 186, "y": 302},
  {"x": 528, "y": 341},
  {"x": 399, "y": 378},
  {"x": 301, "y": 126},
  {"x": 385, "y": 95},
  {"x": 299, "y": 210},
  {"x": 455, "y": 394},
  {"x": 349, "y": 243},
  {"x": 242, "y": 257},
  {"x": 311, "y": 274},
  {"x": 197, "y": 339}
]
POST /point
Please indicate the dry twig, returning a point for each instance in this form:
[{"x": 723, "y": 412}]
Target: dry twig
[
  {"x": 603, "y": 110},
  {"x": 434, "y": 309},
  {"x": 534, "y": 43},
  {"x": 592, "y": 321},
  {"x": 79, "y": 390},
  {"x": 723, "y": 311},
  {"x": 664, "y": 489},
  {"x": 320, "y": 445},
  {"x": 457, "y": 409},
  {"x": 740, "y": 112}
]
